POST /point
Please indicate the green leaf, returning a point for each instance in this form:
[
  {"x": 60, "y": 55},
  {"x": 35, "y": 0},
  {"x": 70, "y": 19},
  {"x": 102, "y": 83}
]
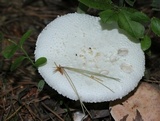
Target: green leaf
[
  {"x": 121, "y": 2},
  {"x": 82, "y": 8},
  {"x": 130, "y": 2},
  {"x": 156, "y": 5},
  {"x": 156, "y": 9},
  {"x": 9, "y": 51},
  {"x": 98, "y": 4},
  {"x": 17, "y": 62},
  {"x": 133, "y": 28},
  {"x": 40, "y": 85},
  {"x": 129, "y": 10},
  {"x": 140, "y": 17},
  {"x": 108, "y": 16},
  {"x": 40, "y": 61},
  {"x": 24, "y": 38},
  {"x": 145, "y": 43},
  {"x": 155, "y": 25}
]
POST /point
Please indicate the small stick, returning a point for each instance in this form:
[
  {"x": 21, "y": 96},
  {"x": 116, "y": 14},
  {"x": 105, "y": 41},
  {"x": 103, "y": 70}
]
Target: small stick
[{"x": 52, "y": 112}]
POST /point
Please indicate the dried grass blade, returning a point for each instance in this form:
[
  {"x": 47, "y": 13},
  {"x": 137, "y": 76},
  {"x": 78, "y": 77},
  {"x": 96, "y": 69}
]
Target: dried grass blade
[
  {"x": 89, "y": 72},
  {"x": 75, "y": 90},
  {"x": 97, "y": 80}
]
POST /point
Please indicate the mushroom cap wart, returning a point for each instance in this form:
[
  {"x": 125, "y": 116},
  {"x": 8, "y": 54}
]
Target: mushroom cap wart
[{"x": 82, "y": 41}]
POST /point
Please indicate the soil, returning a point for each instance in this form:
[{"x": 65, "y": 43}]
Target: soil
[{"x": 20, "y": 99}]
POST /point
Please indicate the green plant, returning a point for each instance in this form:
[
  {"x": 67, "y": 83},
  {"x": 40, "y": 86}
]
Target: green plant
[
  {"x": 10, "y": 50},
  {"x": 136, "y": 23},
  {"x": 156, "y": 5}
]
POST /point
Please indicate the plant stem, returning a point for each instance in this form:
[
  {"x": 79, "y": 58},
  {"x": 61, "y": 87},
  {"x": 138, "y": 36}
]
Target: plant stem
[{"x": 27, "y": 56}]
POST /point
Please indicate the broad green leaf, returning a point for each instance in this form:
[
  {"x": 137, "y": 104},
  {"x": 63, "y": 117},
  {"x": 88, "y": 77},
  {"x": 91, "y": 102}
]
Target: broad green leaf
[
  {"x": 24, "y": 37},
  {"x": 40, "y": 85},
  {"x": 17, "y": 62},
  {"x": 129, "y": 10},
  {"x": 98, "y": 4},
  {"x": 133, "y": 28},
  {"x": 155, "y": 25},
  {"x": 156, "y": 9},
  {"x": 145, "y": 43},
  {"x": 82, "y": 8},
  {"x": 108, "y": 16},
  {"x": 140, "y": 17},
  {"x": 156, "y": 5},
  {"x": 40, "y": 61},
  {"x": 9, "y": 51},
  {"x": 121, "y": 3},
  {"x": 130, "y": 2}
]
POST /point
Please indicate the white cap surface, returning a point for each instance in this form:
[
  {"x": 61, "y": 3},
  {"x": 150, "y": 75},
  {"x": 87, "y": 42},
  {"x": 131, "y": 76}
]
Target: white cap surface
[{"x": 82, "y": 41}]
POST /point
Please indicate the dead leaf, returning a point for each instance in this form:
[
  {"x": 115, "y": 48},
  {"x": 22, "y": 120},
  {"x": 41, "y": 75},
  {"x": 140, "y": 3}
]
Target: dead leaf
[
  {"x": 124, "y": 118},
  {"x": 138, "y": 116}
]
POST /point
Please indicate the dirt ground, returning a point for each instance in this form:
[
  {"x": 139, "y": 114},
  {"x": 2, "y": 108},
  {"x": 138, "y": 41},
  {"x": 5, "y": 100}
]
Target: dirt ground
[{"x": 19, "y": 99}]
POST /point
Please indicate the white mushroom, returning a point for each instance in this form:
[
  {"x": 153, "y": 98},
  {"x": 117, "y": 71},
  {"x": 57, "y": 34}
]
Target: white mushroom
[
  {"x": 81, "y": 41},
  {"x": 78, "y": 116}
]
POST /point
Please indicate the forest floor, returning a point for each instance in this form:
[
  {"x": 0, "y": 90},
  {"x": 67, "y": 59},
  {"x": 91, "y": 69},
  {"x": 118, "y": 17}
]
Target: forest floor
[{"x": 20, "y": 99}]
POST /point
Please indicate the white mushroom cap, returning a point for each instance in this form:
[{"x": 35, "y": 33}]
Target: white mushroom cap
[{"x": 82, "y": 41}]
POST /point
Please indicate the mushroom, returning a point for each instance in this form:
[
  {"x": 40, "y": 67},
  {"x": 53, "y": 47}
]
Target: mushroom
[
  {"x": 145, "y": 100},
  {"x": 89, "y": 60},
  {"x": 78, "y": 116}
]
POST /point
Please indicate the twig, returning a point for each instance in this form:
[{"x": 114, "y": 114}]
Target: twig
[
  {"x": 31, "y": 112},
  {"x": 152, "y": 81},
  {"x": 14, "y": 113},
  {"x": 52, "y": 111}
]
